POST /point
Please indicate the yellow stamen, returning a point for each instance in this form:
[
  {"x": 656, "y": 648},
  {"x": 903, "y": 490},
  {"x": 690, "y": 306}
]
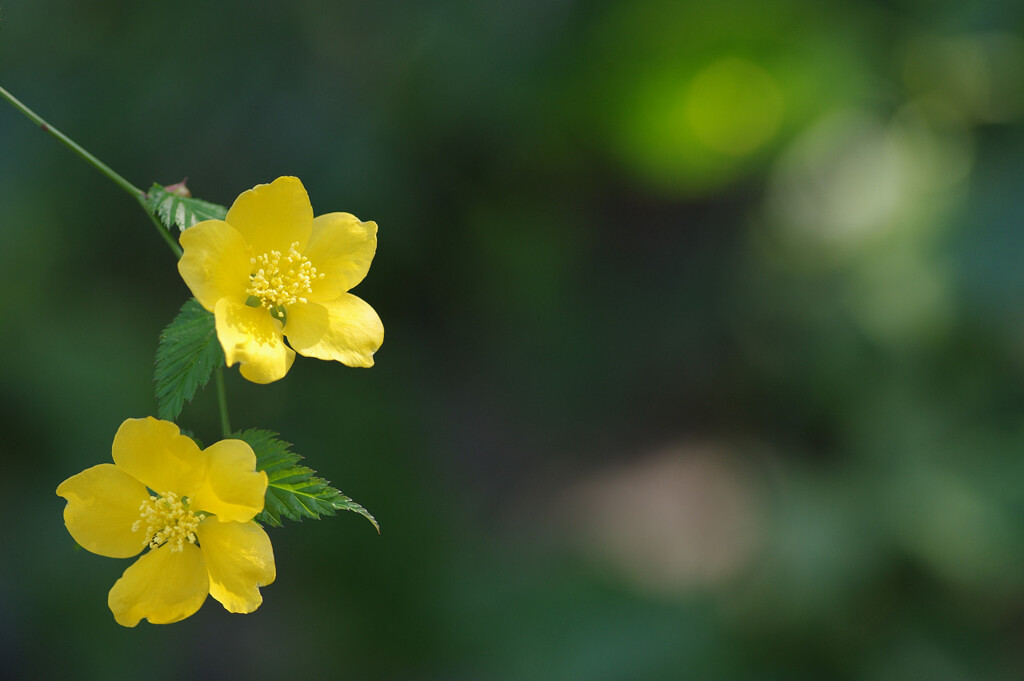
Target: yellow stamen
[
  {"x": 278, "y": 280},
  {"x": 167, "y": 519}
]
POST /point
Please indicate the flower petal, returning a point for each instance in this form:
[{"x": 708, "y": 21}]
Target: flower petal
[
  {"x": 156, "y": 454},
  {"x": 215, "y": 263},
  {"x": 273, "y": 216},
  {"x": 345, "y": 329},
  {"x": 239, "y": 559},
  {"x": 233, "y": 490},
  {"x": 249, "y": 335},
  {"x": 103, "y": 504},
  {"x": 162, "y": 586},
  {"x": 341, "y": 248}
]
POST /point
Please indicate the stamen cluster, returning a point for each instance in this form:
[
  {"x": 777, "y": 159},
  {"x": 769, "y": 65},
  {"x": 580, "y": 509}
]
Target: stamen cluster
[
  {"x": 278, "y": 280},
  {"x": 167, "y": 519}
]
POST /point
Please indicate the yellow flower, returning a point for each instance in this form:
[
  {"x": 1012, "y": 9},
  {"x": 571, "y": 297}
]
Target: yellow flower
[
  {"x": 193, "y": 509},
  {"x": 269, "y": 269}
]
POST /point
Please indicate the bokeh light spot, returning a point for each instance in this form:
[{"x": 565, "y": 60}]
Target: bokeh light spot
[
  {"x": 734, "y": 106},
  {"x": 977, "y": 75}
]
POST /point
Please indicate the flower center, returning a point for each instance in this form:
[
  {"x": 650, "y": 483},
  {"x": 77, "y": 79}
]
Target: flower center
[
  {"x": 280, "y": 279},
  {"x": 167, "y": 519}
]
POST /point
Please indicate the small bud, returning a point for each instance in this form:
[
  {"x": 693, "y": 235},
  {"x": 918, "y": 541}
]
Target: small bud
[{"x": 179, "y": 189}]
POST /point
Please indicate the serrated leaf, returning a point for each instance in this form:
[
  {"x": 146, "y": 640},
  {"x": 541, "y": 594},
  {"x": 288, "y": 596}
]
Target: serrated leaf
[
  {"x": 186, "y": 356},
  {"x": 175, "y": 210},
  {"x": 294, "y": 491}
]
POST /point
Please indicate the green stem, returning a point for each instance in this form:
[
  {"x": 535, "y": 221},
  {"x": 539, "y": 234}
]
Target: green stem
[
  {"x": 222, "y": 402},
  {"x": 171, "y": 243},
  {"x": 99, "y": 165},
  {"x": 71, "y": 144}
]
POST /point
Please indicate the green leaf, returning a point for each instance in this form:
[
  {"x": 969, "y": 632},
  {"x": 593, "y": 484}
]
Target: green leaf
[
  {"x": 186, "y": 356},
  {"x": 175, "y": 206},
  {"x": 294, "y": 491}
]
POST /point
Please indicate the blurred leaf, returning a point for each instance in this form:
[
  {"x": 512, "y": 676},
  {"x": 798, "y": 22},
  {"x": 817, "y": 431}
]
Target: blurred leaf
[
  {"x": 186, "y": 356},
  {"x": 294, "y": 492},
  {"x": 174, "y": 208}
]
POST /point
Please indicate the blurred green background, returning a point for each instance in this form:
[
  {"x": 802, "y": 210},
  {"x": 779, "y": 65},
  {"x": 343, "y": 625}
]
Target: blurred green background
[{"x": 705, "y": 332}]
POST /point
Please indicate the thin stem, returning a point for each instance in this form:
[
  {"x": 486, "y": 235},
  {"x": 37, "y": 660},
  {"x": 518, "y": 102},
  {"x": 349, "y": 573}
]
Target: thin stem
[
  {"x": 222, "y": 402},
  {"x": 71, "y": 144},
  {"x": 99, "y": 165},
  {"x": 171, "y": 243}
]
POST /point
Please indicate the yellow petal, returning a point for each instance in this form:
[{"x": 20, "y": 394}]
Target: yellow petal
[
  {"x": 233, "y": 490},
  {"x": 103, "y": 504},
  {"x": 250, "y": 336},
  {"x": 341, "y": 248},
  {"x": 239, "y": 559},
  {"x": 156, "y": 453},
  {"x": 273, "y": 216},
  {"x": 345, "y": 329},
  {"x": 215, "y": 263},
  {"x": 162, "y": 586}
]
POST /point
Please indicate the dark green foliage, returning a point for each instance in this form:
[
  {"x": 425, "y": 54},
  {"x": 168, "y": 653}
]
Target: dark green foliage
[
  {"x": 181, "y": 211},
  {"x": 294, "y": 491},
  {"x": 186, "y": 356}
]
